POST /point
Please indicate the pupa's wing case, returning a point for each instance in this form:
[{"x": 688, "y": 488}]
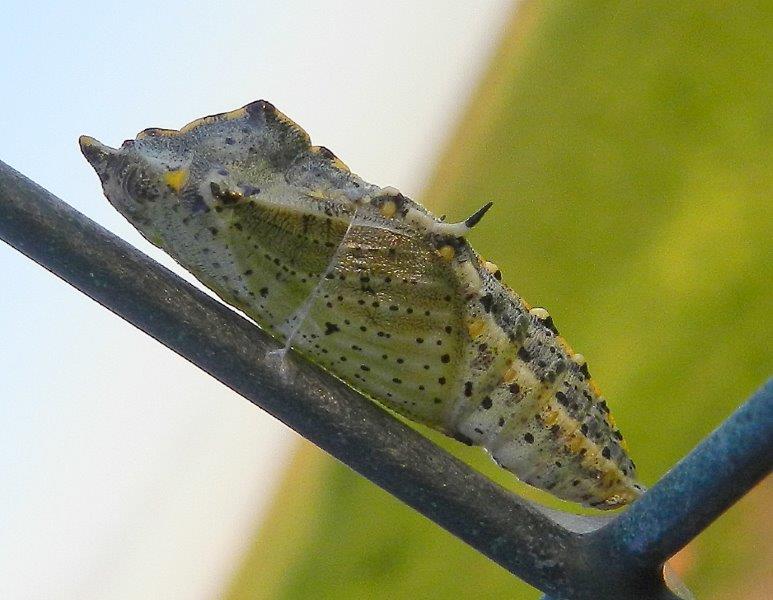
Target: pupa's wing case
[{"x": 369, "y": 285}]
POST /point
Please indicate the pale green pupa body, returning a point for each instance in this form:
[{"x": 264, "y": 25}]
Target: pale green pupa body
[{"x": 372, "y": 287}]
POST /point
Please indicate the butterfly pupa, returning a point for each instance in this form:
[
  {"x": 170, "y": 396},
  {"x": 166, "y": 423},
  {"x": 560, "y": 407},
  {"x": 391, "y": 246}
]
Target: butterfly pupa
[{"x": 372, "y": 287}]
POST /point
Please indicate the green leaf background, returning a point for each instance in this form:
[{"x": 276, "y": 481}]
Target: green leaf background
[{"x": 627, "y": 147}]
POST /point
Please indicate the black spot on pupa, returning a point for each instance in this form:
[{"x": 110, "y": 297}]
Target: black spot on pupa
[
  {"x": 501, "y": 421},
  {"x": 264, "y": 292},
  {"x": 441, "y": 380},
  {"x": 486, "y": 403},
  {"x": 562, "y": 398},
  {"x": 331, "y": 328},
  {"x": 446, "y": 358},
  {"x": 365, "y": 367},
  {"x": 528, "y": 438},
  {"x": 225, "y": 196},
  {"x": 584, "y": 370},
  {"x": 605, "y": 452},
  {"x": 230, "y": 141},
  {"x": 486, "y": 301},
  {"x": 198, "y": 205},
  {"x": 468, "y": 388},
  {"x": 524, "y": 354},
  {"x": 550, "y": 325}
]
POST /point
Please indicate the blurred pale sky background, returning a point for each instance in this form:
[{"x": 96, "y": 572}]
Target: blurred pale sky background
[{"x": 124, "y": 471}]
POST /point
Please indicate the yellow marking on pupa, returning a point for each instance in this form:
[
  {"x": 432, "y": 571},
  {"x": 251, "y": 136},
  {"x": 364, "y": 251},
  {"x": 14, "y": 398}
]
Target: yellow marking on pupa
[
  {"x": 510, "y": 375},
  {"x": 609, "y": 477},
  {"x": 476, "y": 327},
  {"x": 551, "y": 418},
  {"x": 176, "y": 179},
  {"x": 490, "y": 267},
  {"x": 316, "y": 194},
  {"x": 156, "y": 132},
  {"x": 239, "y": 113},
  {"x": 86, "y": 141},
  {"x": 575, "y": 443},
  {"x": 334, "y": 160},
  {"x": 388, "y": 209},
  {"x": 447, "y": 252}
]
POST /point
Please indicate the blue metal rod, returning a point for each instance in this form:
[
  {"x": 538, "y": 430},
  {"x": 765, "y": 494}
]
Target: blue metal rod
[{"x": 718, "y": 472}]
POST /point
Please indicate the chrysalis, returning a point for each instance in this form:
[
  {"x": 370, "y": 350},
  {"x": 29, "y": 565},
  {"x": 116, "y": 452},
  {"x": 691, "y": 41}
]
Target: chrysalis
[{"x": 369, "y": 285}]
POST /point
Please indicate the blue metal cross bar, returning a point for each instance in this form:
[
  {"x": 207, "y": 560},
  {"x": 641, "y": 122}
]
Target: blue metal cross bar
[
  {"x": 569, "y": 557},
  {"x": 705, "y": 483}
]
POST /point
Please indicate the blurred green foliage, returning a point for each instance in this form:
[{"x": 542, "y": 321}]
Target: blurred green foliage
[{"x": 627, "y": 146}]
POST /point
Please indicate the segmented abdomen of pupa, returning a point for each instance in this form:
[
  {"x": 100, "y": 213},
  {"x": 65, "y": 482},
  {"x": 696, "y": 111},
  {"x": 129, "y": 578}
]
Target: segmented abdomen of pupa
[
  {"x": 531, "y": 403},
  {"x": 372, "y": 287},
  {"x": 427, "y": 328}
]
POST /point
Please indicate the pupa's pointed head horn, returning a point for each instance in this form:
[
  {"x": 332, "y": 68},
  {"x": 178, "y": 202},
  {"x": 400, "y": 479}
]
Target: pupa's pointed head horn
[{"x": 96, "y": 153}]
